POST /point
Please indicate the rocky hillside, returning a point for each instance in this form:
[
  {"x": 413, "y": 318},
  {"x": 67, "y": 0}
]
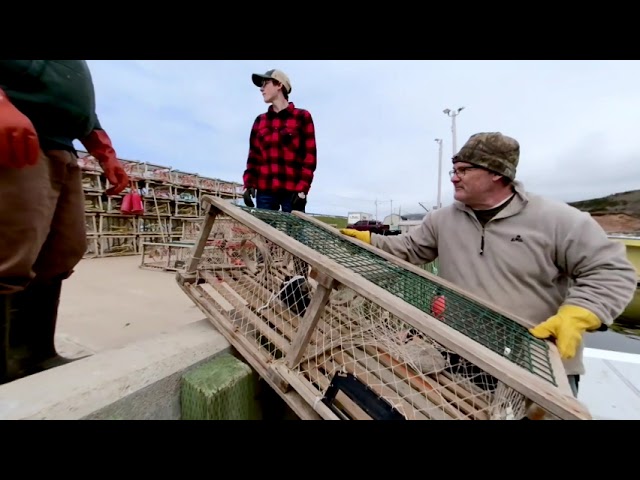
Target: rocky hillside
[{"x": 617, "y": 213}]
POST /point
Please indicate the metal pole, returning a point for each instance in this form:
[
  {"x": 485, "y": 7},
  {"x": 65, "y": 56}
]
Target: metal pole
[
  {"x": 453, "y": 135},
  {"x": 453, "y": 114},
  {"x": 439, "y": 202}
]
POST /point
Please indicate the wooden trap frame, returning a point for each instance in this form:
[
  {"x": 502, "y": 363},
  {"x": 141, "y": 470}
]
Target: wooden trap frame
[
  {"x": 167, "y": 256},
  {"x": 342, "y": 330}
]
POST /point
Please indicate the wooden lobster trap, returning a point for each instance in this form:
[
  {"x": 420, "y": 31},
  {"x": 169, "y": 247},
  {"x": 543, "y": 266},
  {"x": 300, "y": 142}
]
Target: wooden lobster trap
[
  {"x": 225, "y": 247},
  {"x": 342, "y": 330},
  {"x": 167, "y": 256}
]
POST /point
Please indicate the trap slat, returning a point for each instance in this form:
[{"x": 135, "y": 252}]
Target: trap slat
[
  {"x": 475, "y": 362},
  {"x": 342, "y": 400}
]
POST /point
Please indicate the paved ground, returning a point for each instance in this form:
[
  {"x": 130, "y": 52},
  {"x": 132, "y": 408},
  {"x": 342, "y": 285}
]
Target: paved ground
[{"x": 109, "y": 302}]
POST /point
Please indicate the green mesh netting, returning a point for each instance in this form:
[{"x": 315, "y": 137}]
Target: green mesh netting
[{"x": 493, "y": 330}]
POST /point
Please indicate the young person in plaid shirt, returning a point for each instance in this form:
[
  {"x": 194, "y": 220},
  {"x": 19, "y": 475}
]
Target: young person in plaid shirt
[{"x": 282, "y": 149}]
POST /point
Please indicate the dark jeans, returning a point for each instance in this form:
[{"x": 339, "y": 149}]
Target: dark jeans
[
  {"x": 275, "y": 200},
  {"x": 284, "y": 200}
]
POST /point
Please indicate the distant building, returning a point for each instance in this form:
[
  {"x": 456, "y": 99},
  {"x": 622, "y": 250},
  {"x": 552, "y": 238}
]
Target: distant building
[
  {"x": 353, "y": 217},
  {"x": 392, "y": 220},
  {"x": 410, "y": 221},
  {"x": 396, "y": 221}
]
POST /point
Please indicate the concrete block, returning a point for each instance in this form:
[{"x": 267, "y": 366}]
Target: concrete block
[
  {"x": 224, "y": 388},
  {"x": 139, "y": 381}
]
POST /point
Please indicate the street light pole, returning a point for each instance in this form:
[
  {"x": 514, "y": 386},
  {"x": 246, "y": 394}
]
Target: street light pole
[
  {"x": 439, "y": 202},
  {"x": 453, "y": 114}
]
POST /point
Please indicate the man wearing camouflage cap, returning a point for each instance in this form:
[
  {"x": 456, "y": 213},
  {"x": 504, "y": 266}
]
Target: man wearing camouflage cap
[{"x": 540, "y": 259}]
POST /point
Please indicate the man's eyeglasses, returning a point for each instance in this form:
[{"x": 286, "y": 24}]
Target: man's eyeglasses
[{"x": 460, "y": 172}]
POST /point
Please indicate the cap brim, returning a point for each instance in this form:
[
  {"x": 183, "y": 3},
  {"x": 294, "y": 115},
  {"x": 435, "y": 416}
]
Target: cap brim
[{"x": 258, "y": 78}]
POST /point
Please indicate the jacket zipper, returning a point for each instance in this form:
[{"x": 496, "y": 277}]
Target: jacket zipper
[{"x": 483, "y": 227}]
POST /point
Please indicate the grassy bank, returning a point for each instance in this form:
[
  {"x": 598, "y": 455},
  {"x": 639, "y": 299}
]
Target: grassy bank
[{"x": 333, "y": 221}]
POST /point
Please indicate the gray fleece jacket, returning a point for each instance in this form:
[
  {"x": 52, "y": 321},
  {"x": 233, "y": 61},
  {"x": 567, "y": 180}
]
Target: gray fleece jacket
[{"x": 534, "y": 256}]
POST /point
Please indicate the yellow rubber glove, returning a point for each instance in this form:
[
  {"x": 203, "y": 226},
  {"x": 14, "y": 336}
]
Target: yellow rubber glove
[
  {"x": 567, "y": 326},
  {"x": 362, "y": 236}
]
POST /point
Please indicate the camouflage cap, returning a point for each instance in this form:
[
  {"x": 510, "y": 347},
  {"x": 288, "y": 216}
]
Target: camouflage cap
[{"x": 491, "y": 150}]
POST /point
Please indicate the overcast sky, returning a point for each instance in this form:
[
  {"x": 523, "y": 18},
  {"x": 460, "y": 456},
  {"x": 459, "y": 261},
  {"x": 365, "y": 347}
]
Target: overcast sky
[{"x": 376, "y": 122}]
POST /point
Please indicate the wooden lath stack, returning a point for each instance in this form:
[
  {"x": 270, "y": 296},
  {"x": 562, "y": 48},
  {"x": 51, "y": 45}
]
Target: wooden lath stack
[{"x": 343, "y": 331}]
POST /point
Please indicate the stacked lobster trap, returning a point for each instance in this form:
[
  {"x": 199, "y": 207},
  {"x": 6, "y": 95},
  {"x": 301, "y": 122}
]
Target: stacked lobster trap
[
  {"x": 174, "y": 256},
  {"x": 342, "y": 330}
]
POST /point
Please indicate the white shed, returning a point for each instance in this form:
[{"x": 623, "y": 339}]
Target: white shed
[
  {"x": 392, "y": 220},
  {"x": 410, "y": 221}
]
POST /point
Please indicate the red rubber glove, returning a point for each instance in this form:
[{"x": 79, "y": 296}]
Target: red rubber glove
[
  {"x": 19, "y": 145},
  {"x": 98, "y": 144}
]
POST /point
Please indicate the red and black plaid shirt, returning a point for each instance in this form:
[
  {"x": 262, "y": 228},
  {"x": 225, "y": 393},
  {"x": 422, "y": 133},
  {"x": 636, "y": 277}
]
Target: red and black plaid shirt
[{"x": 282, "y": 151}]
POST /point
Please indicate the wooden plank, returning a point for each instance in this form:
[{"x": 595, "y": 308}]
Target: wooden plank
[
  {"x": 309, "y": 322},
  {"x": 257, "y": 300},
  {"x": 203, "y": 237},
  {"x": 535, "y": 388},
  {"x": 219, "y": 299},
  {"x": 234, "y": 294},
  {"x": 558, "y": 367},
  {"x": 211, "y": 278},
  {"x": 341, "y": 400},
  {"x": 324, "y": 411},
  {"x": 242, "y": 318},
  {"x": 475, "y": 400}
]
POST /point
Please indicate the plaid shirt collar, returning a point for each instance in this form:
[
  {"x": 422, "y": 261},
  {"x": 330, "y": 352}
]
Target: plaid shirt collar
[{"x": 271, "y": 113}]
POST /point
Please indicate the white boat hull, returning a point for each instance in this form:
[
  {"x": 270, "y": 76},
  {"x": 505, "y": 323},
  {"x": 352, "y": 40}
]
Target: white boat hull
[{"x": 611, "y": 387}]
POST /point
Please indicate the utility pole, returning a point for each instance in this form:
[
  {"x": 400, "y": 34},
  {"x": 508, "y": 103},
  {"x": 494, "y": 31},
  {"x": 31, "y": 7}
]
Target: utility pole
[
  {"x": 453, "y": 115},
  {"x": 383, "y": 201},
  {"x": 439, "y": 202}
]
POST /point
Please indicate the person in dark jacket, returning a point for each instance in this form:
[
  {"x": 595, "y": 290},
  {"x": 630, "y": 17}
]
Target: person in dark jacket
[{"x": 44, "y": 106}]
